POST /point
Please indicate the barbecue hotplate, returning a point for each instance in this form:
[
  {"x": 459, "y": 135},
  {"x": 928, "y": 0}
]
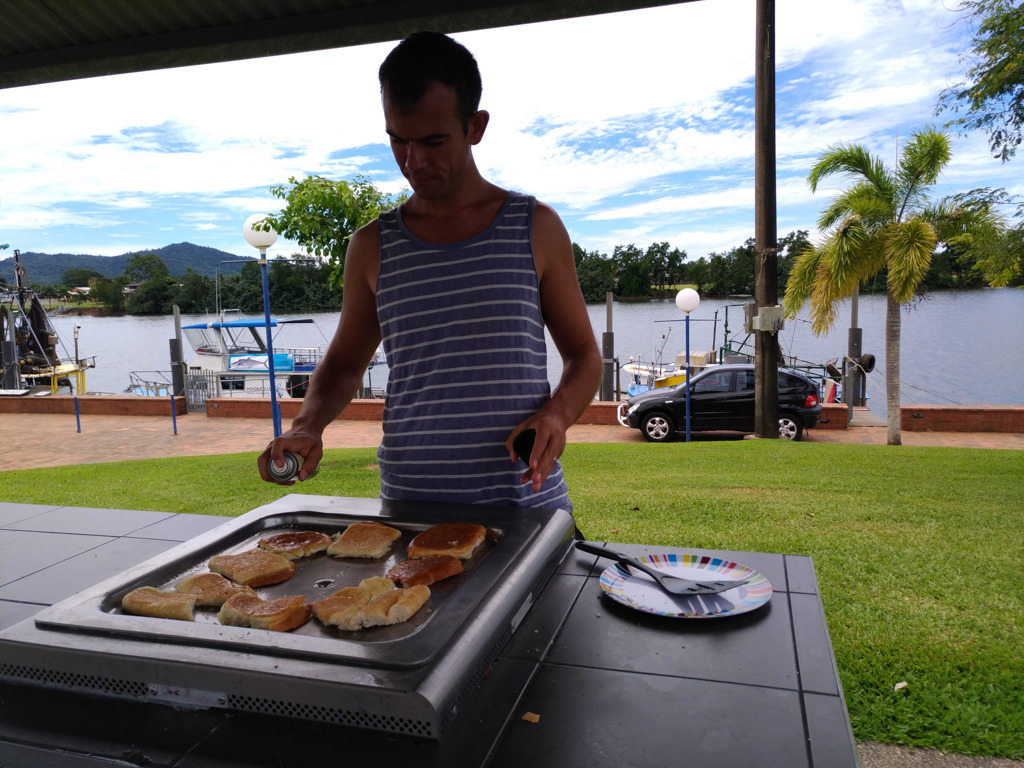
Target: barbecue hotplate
[{"x": 362, "y": 678}]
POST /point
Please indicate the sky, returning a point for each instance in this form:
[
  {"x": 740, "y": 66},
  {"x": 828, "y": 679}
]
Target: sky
[{"x": 637, "y": 127}]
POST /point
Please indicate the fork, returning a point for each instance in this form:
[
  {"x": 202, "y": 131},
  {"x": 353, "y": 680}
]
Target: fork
[{"x": 674, "y": 585}]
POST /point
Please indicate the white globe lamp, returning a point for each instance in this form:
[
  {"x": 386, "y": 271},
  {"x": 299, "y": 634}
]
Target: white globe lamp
[
  {"x": 263, "y": 239},
  {"x": 258, "y": 238}
]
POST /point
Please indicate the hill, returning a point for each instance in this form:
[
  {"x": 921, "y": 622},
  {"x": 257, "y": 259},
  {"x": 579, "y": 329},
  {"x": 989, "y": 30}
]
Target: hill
[{"x": 47, "y": 268}]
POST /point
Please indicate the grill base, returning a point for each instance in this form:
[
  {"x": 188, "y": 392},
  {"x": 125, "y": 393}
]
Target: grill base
[{"x": 413, "y": 700}]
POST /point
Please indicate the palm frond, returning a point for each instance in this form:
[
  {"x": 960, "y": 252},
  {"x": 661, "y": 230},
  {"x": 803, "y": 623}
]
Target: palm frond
[
  {"x": 850, "y": 160},
  {"x": 862, "y": 199},
  {"x": 908, "y": 247},
  {"x": 921, "y": 161},
  {"x": 801, "y": 280}
]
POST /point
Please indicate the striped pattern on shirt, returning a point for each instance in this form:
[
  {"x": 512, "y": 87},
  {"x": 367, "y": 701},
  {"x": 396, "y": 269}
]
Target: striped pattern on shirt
[{"x": 464, "y": 339}]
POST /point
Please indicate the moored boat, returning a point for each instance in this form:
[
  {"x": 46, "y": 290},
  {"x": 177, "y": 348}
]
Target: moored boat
[{"x": 29, "y": 356}]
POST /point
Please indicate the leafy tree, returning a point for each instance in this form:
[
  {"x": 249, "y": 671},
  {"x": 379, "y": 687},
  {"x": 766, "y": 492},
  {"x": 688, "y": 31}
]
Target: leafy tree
[
  {"x": 321, "y": 215},
  {"x": 595, "y": 273},
  {"x": 880, "y": 223},
  {"x": 75, "y": 278},
  {"x": 195, "y": 293},
  {"x": 108, "y": 292},
  {"x": 142, "y": 268},
  {"x": 634, "y": 272},
  {"x": 993, "y": 92}
]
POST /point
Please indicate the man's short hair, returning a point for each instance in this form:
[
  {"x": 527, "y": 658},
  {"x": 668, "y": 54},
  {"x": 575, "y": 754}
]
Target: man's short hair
[{"x": 427, "y": 57}]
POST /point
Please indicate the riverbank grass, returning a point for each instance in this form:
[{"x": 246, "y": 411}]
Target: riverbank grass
[{"x": 918, "y": 551}]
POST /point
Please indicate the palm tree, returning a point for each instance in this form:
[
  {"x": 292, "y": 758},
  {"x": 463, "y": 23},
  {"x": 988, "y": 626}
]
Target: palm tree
[{"x": 882, "y": 222}]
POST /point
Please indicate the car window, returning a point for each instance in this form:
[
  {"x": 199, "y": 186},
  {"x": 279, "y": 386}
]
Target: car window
[
  {"x": 746, "y": 381},
  {"x": 789, "y": 382},
  {"x": 713, "y": 382}
]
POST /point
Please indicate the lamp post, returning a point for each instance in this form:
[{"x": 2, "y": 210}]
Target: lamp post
[
  {"x": 687, "y": 300},
  {"x": 263, "y": 239}
]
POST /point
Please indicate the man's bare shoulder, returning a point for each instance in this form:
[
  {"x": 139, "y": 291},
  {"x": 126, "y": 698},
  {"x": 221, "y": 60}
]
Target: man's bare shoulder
[{"x": 362, "y": 259}]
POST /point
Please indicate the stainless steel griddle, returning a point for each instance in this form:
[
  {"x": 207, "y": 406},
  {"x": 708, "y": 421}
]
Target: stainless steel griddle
[{"x": 409, "y": 679}]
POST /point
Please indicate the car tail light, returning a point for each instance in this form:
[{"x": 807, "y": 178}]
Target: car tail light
[{"x": 811, "y": 401}]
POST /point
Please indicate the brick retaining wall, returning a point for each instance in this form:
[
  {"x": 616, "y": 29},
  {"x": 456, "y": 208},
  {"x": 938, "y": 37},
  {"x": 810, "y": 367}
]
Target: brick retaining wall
[
  {"x": 916, "y": 418},
  {"x": 94, "y": 405}
]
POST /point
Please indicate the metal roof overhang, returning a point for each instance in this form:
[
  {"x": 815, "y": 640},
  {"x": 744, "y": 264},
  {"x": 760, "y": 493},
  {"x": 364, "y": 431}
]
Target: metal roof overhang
[{"x": 43, "y": 41}]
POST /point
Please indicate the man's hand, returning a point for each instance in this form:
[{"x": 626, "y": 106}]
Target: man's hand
[
  {"x": 548, "y": 444},
  {"x": 309, "y": 445}
]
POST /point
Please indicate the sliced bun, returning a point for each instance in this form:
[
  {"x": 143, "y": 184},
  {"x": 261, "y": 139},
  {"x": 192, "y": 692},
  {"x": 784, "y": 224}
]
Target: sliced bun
[
  {"x": 364, "y": 539},
  {"x": 278, "y": 615},
  {"x": 456, "y": 539},
  {"x": 150, "y": 601},
  {"x": 425, "y": 571},
  {"x": 253, "y": 568},
  {"x": 294, "y": 545},
  {"x": 341, "y": 608},
  {"x": 211, "y": 589},
  {"x": 372, "y": 604},
  {"x": 393, "y": 607}
]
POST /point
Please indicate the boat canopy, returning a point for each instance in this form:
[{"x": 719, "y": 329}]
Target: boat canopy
[{"x": 244, "y": 323}]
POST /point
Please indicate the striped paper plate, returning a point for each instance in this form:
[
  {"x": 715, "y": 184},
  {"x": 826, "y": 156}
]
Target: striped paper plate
[{"x": 638, "y": 590}]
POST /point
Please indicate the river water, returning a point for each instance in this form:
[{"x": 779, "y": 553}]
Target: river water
[{"x": 958, "y": 347}]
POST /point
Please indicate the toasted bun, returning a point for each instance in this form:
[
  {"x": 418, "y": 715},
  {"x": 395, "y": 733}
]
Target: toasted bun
[
  {"x": 211, "y": 589},
  {"x": 365, "y": 539},
  {"x": 296, "y": 544},
  {"x": 342, "y": 608},
  {"x": 455, "y": 539},
  {"x": 278, "y": 615},
  {"x": 393, "y": 607},
  {"x": 253, "y": 568},
  {"x": 149, "y": 601},
  {"x": 426, "y": 570}
]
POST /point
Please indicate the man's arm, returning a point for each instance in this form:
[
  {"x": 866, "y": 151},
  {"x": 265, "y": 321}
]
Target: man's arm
[
  {"x": 337, "y": 377},
  {"x": 565, "y": 314}
]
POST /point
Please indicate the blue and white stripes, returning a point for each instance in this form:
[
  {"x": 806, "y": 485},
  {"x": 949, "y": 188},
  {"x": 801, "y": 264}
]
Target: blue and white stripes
[{"x": 464, "y": 340}]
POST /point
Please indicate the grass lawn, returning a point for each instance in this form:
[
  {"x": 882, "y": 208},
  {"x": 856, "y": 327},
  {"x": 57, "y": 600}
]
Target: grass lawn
[{"x": 918, "y": 551}]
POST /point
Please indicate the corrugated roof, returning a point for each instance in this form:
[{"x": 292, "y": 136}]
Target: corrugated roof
[{"x": 49, "y": 40}]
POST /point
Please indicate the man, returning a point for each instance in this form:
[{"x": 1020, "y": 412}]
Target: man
[{"x": 459, "y": 283}]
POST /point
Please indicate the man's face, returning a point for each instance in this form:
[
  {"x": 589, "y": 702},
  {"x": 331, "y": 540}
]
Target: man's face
[{"x": 428, "y": 142}]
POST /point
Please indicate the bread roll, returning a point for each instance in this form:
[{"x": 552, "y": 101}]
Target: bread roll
[
  {"x": 211, "y": 589},
  {"x": 393, "y": 607},
  {"x": 278, "y": 615},
  {"x": 253, "y": 568},
  {"x": 456, "y": 539},
  {"x": 426, "y": 570},
  {"x": 364, "y": 539},
  {"x": 150, "y": 601},
  {"x": 296, "y": 544},
  {"x": 341, "y": 607}
]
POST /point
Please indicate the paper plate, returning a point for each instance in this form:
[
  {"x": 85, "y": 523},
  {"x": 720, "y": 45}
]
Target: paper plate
[{"x": 638, "y": 590}]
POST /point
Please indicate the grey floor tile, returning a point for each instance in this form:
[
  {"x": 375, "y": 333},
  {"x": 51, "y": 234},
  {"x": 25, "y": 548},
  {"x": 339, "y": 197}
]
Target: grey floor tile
[
  {"x": 12, "y": 512},
  {"x": 180, "y": 527},
  {"x": 82, "y": 571},
  {"x": 24, "y": 552},
  {"x": 101, "y": 522},
  {"x": 12, "y": 613}
]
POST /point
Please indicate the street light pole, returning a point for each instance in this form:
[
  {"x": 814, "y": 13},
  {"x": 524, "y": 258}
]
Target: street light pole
[
  {"x": 263, "y": 239},
  {"x": 687, "y": 300}
]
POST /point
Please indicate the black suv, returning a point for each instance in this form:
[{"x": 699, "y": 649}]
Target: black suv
[{"x": 723, "y": 399}]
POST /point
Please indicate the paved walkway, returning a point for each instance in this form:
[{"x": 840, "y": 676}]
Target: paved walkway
[
  {"x": 49, "y": 440},
  {"x": 42, "y": 440}
]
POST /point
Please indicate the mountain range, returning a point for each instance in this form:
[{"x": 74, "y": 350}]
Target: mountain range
[{"x": 48, "y": 268}]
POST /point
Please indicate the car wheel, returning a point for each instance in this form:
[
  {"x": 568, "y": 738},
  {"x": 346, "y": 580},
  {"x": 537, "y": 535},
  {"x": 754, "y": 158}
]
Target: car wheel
[
  {"x": 789, "y": 427},
  {"x": 658, "y": 427}
]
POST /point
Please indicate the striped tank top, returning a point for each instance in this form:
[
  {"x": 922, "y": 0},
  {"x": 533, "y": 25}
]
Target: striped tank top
[{"x": 464, "y": 339}]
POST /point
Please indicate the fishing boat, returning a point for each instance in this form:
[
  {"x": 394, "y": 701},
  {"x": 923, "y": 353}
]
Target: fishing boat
[
  {"x": 32, "y": 364},
  {"x": 231, "y": 360}
]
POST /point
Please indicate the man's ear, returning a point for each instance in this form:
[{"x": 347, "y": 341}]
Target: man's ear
[{"x": 477, "y": 126}]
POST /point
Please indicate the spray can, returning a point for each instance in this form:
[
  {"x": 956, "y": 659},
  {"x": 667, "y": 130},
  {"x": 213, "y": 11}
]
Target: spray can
[{"x": 290, "y": 471}]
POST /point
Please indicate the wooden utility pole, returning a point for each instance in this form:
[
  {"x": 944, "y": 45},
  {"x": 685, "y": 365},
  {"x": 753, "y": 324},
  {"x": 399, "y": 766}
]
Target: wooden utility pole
[{"x": 766, "y": 282}]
